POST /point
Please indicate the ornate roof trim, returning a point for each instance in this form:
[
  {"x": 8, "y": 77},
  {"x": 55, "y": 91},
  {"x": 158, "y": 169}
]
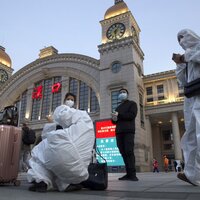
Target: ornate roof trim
[
  {"x": 75, "y": 58},
  {"x": 128, "y": 41}
]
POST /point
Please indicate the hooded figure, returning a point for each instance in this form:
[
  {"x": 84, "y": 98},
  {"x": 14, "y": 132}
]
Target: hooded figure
[
  {"x": 63, "y": 155},
  {"x": 190, "y": 142}
]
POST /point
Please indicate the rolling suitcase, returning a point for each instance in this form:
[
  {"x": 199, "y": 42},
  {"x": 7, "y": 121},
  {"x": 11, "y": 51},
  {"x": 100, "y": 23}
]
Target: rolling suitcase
[{"x": 10, "y": 146}]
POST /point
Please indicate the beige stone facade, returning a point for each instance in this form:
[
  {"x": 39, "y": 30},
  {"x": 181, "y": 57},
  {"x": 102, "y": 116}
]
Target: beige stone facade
[
  {"x": 159, "y": 123},
  {"x": 164, "y": 114}
]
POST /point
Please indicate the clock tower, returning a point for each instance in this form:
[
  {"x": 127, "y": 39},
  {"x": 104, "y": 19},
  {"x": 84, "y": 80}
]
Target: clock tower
[
  {"x": 121, "y": 58},
  {"x": 119, "y": 23},
  {"x": 121, "y": 66},
  {"x": 5, "y": 66}
]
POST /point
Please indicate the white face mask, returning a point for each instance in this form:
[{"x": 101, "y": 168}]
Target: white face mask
[
  {"x": 69, "y": 103},
  {"x": 123, "y": 96}
]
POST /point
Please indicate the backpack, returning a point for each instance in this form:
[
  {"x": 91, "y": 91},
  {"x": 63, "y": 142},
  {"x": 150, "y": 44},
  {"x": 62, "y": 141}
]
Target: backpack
[
  {"x": 9, "y": 116},
  {"x": 29, "y": 137}
]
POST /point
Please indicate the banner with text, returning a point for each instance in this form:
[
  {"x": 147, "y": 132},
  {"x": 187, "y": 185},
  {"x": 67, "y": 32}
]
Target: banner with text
[{"x": 106, "y": 143}]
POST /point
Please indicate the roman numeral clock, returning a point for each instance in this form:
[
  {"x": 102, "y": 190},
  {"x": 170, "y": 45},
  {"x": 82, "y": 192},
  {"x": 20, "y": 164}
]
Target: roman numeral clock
[{"x": 115, "y": 31}]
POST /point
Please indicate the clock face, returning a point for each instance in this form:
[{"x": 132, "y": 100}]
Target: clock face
[
  {"x": 116, "y": 67},
  {"x": 115, "y": 31},
  {"x": 3, "y": 76}
]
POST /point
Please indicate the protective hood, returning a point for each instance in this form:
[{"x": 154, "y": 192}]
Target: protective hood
[
  {"x": 64, "y": 115},
  {"x": 189, "y": 39}
]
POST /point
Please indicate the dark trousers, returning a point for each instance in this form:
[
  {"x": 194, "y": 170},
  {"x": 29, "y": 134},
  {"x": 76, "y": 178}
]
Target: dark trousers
[
  {"x": 125, "y": 144},
  {"x": 155, "y": 169}
]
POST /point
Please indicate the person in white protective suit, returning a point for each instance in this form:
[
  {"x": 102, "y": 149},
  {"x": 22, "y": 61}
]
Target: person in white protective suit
[
  {"x": 188, "y": 69},
  {"x": 60, "y": 161}
]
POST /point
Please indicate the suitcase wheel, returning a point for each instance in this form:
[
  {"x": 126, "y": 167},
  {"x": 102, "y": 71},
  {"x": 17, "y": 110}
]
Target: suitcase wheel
[{"x": 17, "y": 182}]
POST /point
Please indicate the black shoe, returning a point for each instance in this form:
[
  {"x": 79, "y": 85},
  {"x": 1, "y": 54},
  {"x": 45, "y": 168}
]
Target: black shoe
[
  {"x": 133, "y": 178},
  {"x": 38, "y": 187},
  {"x": 128, "y": 178},
  {"x": 32, "y": 188},
  {"x": 123, "y": 178},
  {"x": 73, "y": 187}
]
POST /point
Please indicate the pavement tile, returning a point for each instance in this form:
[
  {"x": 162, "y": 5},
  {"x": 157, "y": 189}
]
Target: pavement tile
[{"x": 161, "y": 186}]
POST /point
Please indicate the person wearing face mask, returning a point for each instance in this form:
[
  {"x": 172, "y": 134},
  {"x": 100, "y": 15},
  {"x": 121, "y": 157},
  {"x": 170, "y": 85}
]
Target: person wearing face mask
[
  {"x": 124, "y": 118},
  {"x": 69, "y": 100},
  {"x": 60, "y": 161},
  {"x": 187, "y": 70}
]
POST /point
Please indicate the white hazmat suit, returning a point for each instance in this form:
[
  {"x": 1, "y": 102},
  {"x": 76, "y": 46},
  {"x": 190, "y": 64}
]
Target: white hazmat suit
[
  {"x": 190, "y": 141},
  {"x": 63, "y": 156}
]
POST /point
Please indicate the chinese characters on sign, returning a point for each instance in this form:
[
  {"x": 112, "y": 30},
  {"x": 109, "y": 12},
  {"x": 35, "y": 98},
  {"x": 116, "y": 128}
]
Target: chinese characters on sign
[
  {"x": 56, "y": 87},
  {"x": 106, "y": 143},
  {"x": 37, "y": 91}
]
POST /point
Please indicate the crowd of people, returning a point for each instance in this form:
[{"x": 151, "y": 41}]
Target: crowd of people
[
  {"x": 69, "y": 133},
  {"x": 178, "y": 165},
  {"x": 60, "y": 159}
]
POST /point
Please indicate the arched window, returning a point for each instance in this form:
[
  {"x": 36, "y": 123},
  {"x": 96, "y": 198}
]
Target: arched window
[
  {"x": 23, "y": 105},
  {"x": 86, "y": 97},
  {"x": 46, "y": 97},
  {"x": 114, "y": 100}
]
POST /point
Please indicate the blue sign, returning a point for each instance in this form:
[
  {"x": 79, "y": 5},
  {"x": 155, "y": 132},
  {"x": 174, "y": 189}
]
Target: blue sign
[{"x": 109, "y": 150}]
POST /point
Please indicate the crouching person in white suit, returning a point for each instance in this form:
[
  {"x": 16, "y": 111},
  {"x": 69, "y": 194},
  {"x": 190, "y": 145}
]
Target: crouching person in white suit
[{"x": 60, "y": 161}]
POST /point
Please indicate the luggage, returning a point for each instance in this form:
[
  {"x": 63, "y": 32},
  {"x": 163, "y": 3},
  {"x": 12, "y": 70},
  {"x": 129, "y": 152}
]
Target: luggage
[
  {"x": 10, "y": 146},
  {"x": 98, "y": 175},
  {"x": 9, "y": 116}
]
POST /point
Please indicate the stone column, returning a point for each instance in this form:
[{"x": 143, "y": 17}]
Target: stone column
[
  {"x": 176, "y": 137},
  {"x": 149, "y": 137},
  {"x": 157, "y": 144}
]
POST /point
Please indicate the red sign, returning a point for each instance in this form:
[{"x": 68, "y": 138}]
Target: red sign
[
  {"x": 37, "y": 92},
  {"x": 56, "y": 87},
  {"x": 105, "y": 129}
]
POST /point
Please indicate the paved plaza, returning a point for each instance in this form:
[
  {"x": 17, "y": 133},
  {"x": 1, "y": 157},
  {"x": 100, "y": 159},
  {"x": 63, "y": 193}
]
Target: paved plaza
[{"x": 150, "y": 186}]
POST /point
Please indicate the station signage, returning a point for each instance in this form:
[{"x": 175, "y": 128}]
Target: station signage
[
  {"x": 106, "y": 143},
  {"x": 37, "y": 91}
]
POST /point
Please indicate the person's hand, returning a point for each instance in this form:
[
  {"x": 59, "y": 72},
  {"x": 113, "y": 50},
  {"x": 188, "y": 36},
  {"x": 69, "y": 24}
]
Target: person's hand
[
  {"x": 178, "y": 58},
  {"x": 114, "y": 116},
  {"x": 49, "y": 118}
]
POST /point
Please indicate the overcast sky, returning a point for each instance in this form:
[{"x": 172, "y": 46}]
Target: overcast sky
[{"x": 27, "y": 26}]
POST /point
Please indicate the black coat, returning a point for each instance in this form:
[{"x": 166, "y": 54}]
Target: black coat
[{"x": 127, "y": 112}]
